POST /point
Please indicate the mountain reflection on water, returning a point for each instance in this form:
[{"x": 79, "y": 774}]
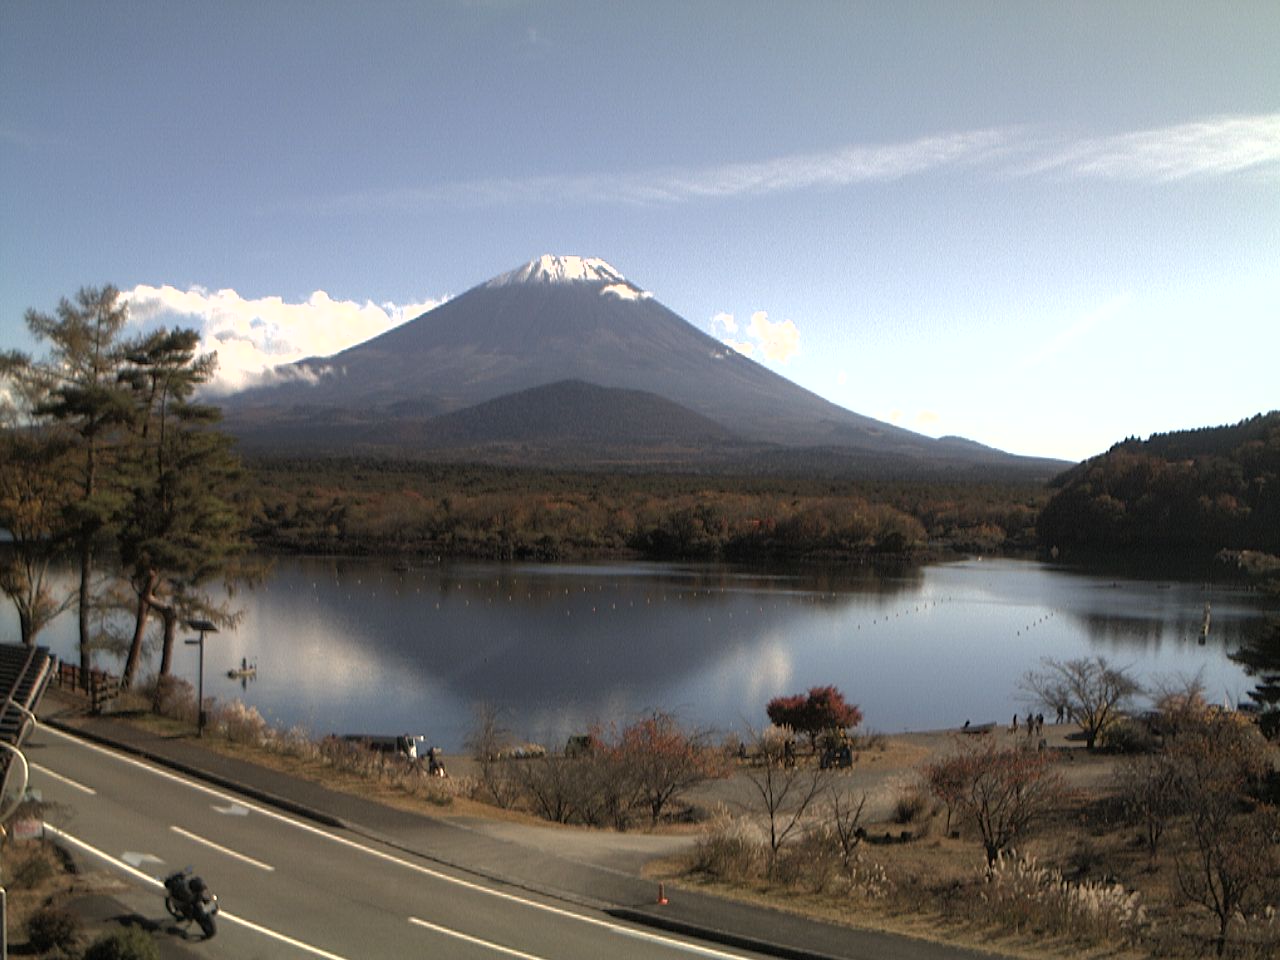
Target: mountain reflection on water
[{"x": 352, "y": 646}]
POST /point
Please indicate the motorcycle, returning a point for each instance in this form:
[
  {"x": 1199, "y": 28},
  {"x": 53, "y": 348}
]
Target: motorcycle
[{"x": 188, "y": 899}]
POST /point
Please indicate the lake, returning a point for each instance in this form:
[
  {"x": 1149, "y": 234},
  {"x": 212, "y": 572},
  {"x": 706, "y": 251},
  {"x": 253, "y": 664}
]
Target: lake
[{"x": 365, "y": 646}]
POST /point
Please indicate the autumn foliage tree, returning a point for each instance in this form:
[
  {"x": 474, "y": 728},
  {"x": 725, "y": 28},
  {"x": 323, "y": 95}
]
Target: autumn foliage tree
[
  {"x": 664, "y": 760},
  {"x": 822, "y": 710}
]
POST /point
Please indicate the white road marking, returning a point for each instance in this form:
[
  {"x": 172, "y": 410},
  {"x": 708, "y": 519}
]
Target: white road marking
[
  {"x": 633, "y": 932},
  {"x": 67, "y": 780},
  {"x": 232, "y": 810},
  {"x": 222, "y": 914},
  {"x": 488, "y": 945},
  {"x": 134, "y": 859},
  {"x": 225, "y": 851}
]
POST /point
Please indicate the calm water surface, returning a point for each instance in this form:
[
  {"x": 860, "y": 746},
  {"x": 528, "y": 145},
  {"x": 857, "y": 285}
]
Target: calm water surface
[{"x": 364, "y": 647}]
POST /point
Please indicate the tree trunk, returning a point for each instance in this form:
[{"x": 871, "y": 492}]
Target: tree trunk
[
  {"x": 139, "y": 629},
  {"x": 86, "y": 652},
  {"x": 169, "y": 617}
]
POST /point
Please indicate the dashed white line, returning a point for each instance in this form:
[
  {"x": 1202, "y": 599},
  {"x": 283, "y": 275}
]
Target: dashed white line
[
  {"x": 222, "y": 914},
  {"x": 225, "y": 851},
  {"x": 488, "y": 945},
  {"x": 67, "y": 780},
  {"x": 621, "y": 930}
]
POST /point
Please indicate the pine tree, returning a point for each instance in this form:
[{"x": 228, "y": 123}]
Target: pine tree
[
  {"x": 181, "y": 526},
  {"x": 85, "y": 398}
]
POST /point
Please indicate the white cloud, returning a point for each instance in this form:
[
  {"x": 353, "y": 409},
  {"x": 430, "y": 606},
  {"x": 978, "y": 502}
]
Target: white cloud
[
  {"x": 778, "y": 342},
  {"x": 254, "y": 336},
  {"x": 1214, "y": 146},
  {"x": 1058, "y": 343},
  {"x": 724, "y": 320}
]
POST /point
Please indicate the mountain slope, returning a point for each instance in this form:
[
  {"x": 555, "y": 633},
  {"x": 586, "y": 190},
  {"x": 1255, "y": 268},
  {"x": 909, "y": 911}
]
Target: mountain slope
[{"x": 559, "y": 319}]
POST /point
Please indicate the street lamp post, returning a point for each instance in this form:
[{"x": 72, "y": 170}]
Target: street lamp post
[{"x": 204, "y": 626}]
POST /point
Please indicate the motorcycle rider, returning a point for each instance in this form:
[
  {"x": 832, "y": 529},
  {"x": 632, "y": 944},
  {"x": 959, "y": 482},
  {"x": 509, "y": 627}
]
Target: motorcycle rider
[{"x": 193, "y": 899}]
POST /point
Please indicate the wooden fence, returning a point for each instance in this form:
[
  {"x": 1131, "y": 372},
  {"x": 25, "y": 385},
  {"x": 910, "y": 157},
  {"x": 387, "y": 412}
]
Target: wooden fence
[{"x": 98, "y": 685}]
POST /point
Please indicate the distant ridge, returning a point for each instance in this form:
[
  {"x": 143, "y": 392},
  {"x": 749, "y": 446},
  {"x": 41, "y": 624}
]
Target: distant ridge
[
  {"x": 579, "y": 421},
  {"x": 565, "y": 357}
]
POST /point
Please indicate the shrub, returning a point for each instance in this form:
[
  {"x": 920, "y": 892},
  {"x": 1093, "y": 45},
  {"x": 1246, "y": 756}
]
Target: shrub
[
  {"x": 731, "y": 849},
  {"x": 240, "y": 724},
  {"x": 31, "y": 871},
  {"x": 52, "y": 928},
  {"x": 294, "y": 742},
  {"x": 129, "y": 943},
  {"x": 912, "y": 804},
  {"x": 1129, "y": 736},
  {"x": 173, "y": 697},
  {"x": 811, "y": 863},
  {"x": 1019, "y": 894}
]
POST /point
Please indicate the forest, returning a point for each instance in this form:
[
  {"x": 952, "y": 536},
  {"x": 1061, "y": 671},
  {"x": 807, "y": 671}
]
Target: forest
[
  {"x": 1195, "y": 491},
  {"x": 394, "y": 507}
]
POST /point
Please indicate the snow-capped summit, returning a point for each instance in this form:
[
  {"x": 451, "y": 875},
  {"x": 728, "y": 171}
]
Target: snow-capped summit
[
  {"x": 550, "y": 268},
  {"x": 604, "y": 365}
]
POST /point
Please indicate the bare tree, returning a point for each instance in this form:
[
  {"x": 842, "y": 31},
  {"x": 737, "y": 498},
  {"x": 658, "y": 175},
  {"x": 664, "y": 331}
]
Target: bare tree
[
  {"x": 35, "y": 490},
  {"x": 1230, "y": 864},
  {"x": 1092, "y": 692},
  {"x": 1145, "y": 783},
  {"x": 1000, "y": 790},
  {"x": 845, "y": 818},
  {"x": 783, "y": 790},
  {"x": 488, "y": 738},
  {"x": 548, "y": 783}
]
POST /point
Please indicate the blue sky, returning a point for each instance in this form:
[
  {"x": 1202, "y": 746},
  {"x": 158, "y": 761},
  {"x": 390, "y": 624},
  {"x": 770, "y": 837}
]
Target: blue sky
[{"x": 1044, "y": 227}]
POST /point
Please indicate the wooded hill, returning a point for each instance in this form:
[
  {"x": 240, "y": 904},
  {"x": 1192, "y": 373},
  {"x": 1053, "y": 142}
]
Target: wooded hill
[
  {"x": 373, "y": 506},
  {"x": 1194, "y": 491}
]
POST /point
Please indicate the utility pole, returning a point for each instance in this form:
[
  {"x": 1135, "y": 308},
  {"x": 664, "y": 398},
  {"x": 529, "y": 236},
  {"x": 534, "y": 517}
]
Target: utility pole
[{"x": 204, "y": 626}]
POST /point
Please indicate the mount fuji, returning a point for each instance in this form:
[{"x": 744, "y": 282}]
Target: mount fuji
[{"x": 566, "y": 361}]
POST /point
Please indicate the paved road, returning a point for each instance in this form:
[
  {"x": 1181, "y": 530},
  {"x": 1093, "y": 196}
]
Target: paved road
[{"x": 289, "y": 888}]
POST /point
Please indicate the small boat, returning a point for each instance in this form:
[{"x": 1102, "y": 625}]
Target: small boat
[{"x": 246, "y": 671}]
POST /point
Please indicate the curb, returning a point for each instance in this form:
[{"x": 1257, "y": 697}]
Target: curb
[
  {"x": 712, "y": 935},
  {"x": 226, "y": 783}
]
